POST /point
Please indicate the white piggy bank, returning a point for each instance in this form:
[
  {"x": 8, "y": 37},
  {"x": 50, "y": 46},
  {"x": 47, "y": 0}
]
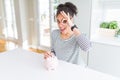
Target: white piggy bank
[{"x": 51, "y": 63}]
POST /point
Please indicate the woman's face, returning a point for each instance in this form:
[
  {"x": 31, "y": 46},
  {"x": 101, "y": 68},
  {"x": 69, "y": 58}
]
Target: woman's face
[{"x": 62, "y": 24}]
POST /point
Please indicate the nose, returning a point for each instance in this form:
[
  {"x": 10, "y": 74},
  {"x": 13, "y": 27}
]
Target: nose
[{"x": 60, "y": 25}]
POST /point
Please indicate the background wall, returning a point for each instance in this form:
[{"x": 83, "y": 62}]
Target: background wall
[{"x": 105, "y": 58}]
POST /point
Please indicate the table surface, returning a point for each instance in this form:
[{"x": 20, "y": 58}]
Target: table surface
[{"x": 20, "y": 64}]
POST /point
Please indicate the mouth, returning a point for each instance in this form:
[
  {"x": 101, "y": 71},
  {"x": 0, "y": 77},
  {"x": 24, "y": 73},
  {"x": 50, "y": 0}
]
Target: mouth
[{"x": 62, "y": 29}]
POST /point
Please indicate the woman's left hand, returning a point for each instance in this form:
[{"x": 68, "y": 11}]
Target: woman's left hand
[
  {"x": 69, "y": 21},
  {"x": 67, "y": 17}
]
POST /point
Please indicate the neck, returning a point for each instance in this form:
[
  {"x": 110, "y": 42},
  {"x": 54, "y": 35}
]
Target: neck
[{"x": 67, "y": 35}]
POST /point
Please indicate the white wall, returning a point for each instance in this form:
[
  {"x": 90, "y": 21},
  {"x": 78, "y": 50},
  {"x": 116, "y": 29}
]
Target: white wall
[{"x": 105, "y": 58}]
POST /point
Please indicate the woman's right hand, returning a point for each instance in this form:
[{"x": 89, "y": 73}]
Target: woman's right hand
[{"x": 48, "y": 54}]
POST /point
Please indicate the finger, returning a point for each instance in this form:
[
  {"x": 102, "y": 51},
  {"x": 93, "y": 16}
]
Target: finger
[
  {"x": 49, "y": 54},
  {"x": 46, "y": 56},
  {"x": 64, "y": 14},
  {"x": 68, "y": 15}
]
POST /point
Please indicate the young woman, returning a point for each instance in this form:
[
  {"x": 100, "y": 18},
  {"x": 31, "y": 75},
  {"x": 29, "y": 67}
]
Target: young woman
[{"x": 67, "y": 41}]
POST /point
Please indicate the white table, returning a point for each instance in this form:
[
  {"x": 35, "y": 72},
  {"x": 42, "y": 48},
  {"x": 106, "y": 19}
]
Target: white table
[{"x": 19, "y": 64}]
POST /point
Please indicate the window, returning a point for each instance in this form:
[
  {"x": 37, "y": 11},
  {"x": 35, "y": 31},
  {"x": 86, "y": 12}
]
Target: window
[
  {"x": 44, "y": 17},
  {"x": 10, "y": 25},
  {"x": 46, "y": 12},
  {"x": 104, "y": 10},
  {"x": 111, "y": 10},
  {"x": 9, "y": 29},
  {"x": 112, "y": 14}
]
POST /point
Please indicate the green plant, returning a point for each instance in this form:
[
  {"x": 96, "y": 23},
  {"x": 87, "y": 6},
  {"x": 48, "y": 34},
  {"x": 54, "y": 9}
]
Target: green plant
[
  {"x": 109, "y": 25},
  {"x": 104, "y": 25},
  {"x": 113, "y": 25}
]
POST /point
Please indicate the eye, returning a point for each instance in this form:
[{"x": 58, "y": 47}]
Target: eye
[
  {"x": 64, "y": 21},
  {"x": 58, "y": 21}
]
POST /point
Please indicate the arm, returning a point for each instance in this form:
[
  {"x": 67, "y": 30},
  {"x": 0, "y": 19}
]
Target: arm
[
  {"x": 54, "y": 36},
  {"x": 83, "y": 41},
  {"x": 51, "y": 52}
]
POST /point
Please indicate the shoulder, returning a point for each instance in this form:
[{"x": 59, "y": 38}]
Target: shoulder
[{"x": 55, "y": 32}]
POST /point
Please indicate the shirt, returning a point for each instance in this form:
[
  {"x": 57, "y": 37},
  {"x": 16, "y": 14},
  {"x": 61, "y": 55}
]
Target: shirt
[{"x": 69, "y": 49}]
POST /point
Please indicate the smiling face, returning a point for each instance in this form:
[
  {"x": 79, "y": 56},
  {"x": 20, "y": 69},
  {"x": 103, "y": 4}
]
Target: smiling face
[{"x": 63, "y": 24}]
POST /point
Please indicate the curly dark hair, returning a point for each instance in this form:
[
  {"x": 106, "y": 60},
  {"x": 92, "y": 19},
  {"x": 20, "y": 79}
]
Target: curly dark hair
[{"x": 68, "y": 7}]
